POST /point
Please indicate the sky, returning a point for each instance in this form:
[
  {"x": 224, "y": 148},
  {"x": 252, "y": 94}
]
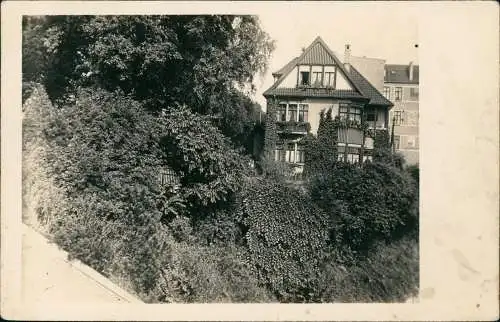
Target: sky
[{"x": 387, "y": 31}]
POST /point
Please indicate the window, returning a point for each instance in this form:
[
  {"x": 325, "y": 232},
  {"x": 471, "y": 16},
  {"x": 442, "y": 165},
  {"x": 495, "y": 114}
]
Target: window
[
  {"x": 349, "y": 112},
  {"x": 281, "y": 113},
  {"x": 292, "y": 112},
  {"x": 304, "y": 78},
  {"x": 290, "y": 152},
  {"x": 371, "y": 115},
  {"x": 398, "y": 93},
  {"x": 398, "y": 118},
  {"x": 411, "y": 142},
  {"x": 280, "y": 154},
  {"x": 352, "y": 154},
  {"x": 352, "y": 158},
  {"x": 414, "y": 93},
  {"x": 397, "y": 140},
  {"x": 316, "y": 78},
  {"x": 387, "y": 92},
  {"x": 300, "y": 154},
  {"x": 303, "y": 112},
  {"x": 329, "y": 80}
]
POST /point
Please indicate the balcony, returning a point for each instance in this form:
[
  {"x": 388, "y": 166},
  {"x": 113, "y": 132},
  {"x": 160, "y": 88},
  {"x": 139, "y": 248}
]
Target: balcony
[{"x": 293, "y": 127}]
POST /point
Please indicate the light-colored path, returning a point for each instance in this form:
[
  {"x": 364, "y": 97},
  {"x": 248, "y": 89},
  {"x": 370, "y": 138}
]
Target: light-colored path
[{"x": 49, "y": 277}]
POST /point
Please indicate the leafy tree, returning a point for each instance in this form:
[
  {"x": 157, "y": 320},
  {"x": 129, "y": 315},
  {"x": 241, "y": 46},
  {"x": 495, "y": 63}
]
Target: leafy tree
[
  {"x": 205, "y": 62},
  {"x": 209, "y": 169}
]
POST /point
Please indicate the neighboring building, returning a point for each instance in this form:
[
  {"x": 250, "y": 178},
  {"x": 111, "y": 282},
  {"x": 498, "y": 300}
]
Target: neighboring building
[
  {"x": 372, "y": 69},
  {"x": 401, "y": 87},
  {"x": 316, "y": 81}
]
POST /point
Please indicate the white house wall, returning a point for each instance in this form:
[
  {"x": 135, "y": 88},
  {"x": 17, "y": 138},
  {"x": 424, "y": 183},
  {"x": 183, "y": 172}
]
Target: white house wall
[
  {"x": 290, "y": 80},
  {"x": 315, "y": 108},
  {"x": 342, "y": 83}
]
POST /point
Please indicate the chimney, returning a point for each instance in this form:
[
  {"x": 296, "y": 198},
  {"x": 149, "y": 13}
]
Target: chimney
[
  {"x": 347, "y": 57},
  {"x": 411, "y": 71}
]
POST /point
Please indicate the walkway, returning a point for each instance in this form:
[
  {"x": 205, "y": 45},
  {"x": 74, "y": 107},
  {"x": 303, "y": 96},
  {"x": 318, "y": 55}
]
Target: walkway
[{"x": 48, "y": 276}]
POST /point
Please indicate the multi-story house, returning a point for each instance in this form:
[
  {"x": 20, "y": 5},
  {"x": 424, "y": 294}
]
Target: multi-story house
[
  {"x": 401, "y": 87},
  {"x": 315, "y": 81}
]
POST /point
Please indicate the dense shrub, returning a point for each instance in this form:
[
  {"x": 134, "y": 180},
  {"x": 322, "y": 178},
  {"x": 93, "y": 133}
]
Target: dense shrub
[
  {"x": 210, "y": 169},
  {"x": 216, "y": 273},
  {"x": 390, "y": 273},
  {"x": 42, "y": 198},
  {"x": 102, "y": 155},
  {"x": 369, "y": 203},
  {"x": 286, "y": 238},
  {"x": 321, "y": 150}
]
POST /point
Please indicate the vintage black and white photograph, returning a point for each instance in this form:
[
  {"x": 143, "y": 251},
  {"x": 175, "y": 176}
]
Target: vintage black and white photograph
[
  {"x": 170, "y": 155},
  {"x": 247, "y": 157},
  {"x": 150, "y": 155}
]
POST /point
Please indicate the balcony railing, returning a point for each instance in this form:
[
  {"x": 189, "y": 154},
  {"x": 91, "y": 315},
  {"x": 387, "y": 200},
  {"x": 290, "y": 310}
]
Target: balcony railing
[{"x": 293, "y": 127}]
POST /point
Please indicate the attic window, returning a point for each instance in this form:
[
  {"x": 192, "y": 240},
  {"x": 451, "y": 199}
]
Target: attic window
[{"x": 304, "y": 78}]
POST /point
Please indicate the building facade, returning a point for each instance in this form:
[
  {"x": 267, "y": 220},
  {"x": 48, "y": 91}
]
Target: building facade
[
  {"x": 317, "y": 81},
  {"x": 401, "y": 87}
]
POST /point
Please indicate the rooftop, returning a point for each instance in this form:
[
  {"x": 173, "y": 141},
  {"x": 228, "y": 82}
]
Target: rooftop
[
  {"x": 318, "y": 53},
  {"x": 401, "y": 74}
]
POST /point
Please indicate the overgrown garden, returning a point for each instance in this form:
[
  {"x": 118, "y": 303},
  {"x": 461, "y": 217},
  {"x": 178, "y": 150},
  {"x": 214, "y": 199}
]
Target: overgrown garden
[{"x": 111, "y": 103}]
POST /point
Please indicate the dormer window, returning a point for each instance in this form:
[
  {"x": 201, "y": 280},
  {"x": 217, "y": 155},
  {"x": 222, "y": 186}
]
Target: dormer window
[
  {"x": 316, "y": 79},
  {"x": 329, "y": 79},
  {"x": 304, "y": 78},
  {"x": 316, "y": 76}
]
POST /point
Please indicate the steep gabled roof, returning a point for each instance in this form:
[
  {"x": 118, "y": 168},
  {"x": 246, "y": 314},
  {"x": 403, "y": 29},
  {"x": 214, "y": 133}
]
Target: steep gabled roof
[
  {"x": 368, "y": 90},
  {"x": 318, "y": 53},
  {"x": 401, "y": 74},
  {"x": 287, "y": 68},
  {"x": 317, "y": 92}
]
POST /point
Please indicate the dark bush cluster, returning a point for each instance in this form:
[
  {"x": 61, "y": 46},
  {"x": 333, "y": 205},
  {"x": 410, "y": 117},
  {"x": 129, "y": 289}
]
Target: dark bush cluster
[
  {"x": 369, "y": 203},
  {"x": 286, "y": 239},
  {"x": 103, "y": 155}
]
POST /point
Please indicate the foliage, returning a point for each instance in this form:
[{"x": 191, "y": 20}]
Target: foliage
[
  {"x": 217, "y": 273},
  {"x": 223, "y": 227},
  {"x": 205, "y": 62},
  {"x": 102, "y": 154},
  {"x": 321, "y": 151},
  {"x": 285, "y": 238},
  {"x": 209, "y": 169},
  {"x": 382, "y": 146},
  {"x": 270, "y": 134},
  {"x": 388, "y": 274},
  {"x": 276, "y": 170},
  {"x": 414, "y": 172},
  {"x": 369, "y": 203},
  {"x": 41, "y": 197}
]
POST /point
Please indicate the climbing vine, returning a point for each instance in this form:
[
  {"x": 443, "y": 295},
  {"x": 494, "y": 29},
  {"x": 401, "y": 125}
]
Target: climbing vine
[
  {"x": 270, "y": 136},
  {"x": 286, "y": 239}
]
